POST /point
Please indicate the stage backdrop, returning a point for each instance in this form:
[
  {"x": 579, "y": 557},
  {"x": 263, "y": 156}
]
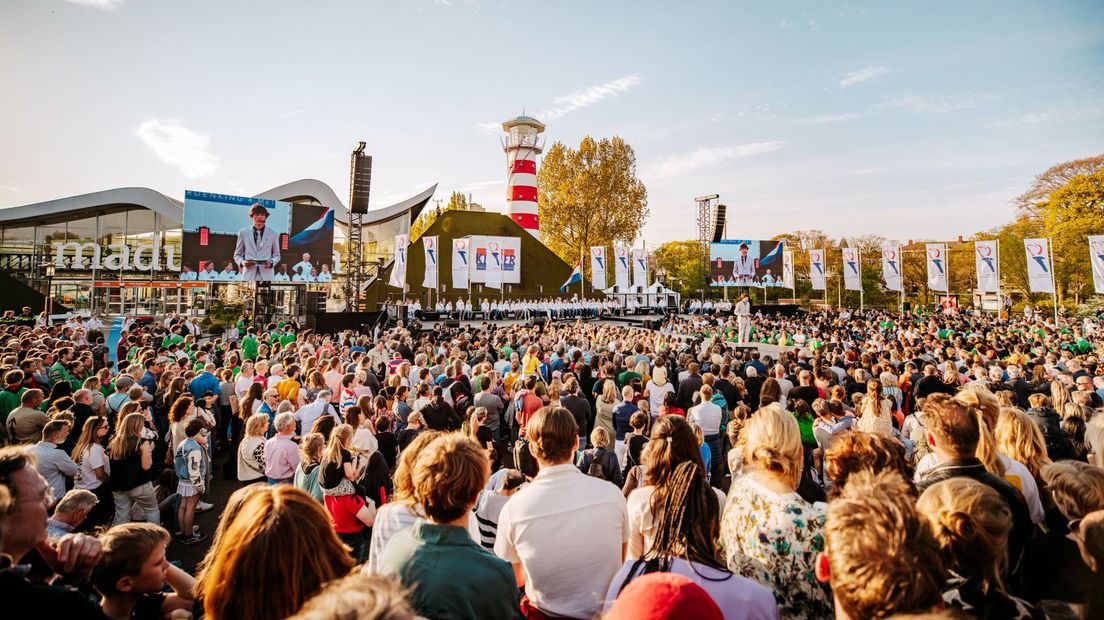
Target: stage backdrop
[
  {"x": 483, "y": 249},
  {"x": 746, "y": 263},
  {"x": 212, "y": 223}
]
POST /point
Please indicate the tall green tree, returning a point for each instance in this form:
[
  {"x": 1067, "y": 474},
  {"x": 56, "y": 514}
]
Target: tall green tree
[
  {"x": 1070, "y": 214},
  {"x": 682, "y": 262},
  {"x": 457, "y": 202},
  {"x": 590, "y": 196}
]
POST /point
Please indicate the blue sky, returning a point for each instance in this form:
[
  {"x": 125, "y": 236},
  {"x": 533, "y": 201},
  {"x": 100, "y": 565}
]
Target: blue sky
[{"x": 905, "y": 119}]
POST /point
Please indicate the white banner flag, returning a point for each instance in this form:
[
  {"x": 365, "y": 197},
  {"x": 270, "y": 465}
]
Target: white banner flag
[
  {"x": 640, "y": 267},
  {"x": 891, "y": 267},
  {"x": 1096, "y": 257},
  {"x": 598, "y": 267},
  {"x": 430, "y": 279},
  {"x": 398, "y": 271},
  {"x": 787, "y": 269},
  {"x": 461, "y": 259},
  {"x": 987, "y": 267},
  {"x": 817, "y": 269},
  {"x": 852, "y": 270},
  {"x": 494, "y": 263},
  {"x": 936, "y": 254},
  {"x": 621, "y": 267},
  {"x": 1039, "y": 276}
]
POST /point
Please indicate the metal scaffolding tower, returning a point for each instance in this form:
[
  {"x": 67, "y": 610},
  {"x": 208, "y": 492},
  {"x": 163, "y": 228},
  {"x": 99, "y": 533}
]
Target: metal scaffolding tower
[{"x": 360, "y": 182}]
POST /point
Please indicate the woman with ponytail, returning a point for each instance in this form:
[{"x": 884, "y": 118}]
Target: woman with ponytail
[
  {"x": 769, "y": 533},
  {"x": 673, "y": 443},
  {"x": 686, "y": 521},
  {"x": 972, "y": 523}
]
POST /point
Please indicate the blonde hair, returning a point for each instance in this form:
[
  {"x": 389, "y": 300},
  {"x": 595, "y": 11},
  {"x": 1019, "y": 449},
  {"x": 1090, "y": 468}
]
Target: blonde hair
[
  {"x": 359, "y": 597},
  {"x": 1019, "y": 438},
  {"x": 256, "y": 425},
  {"x": 609, "y": 392},
  {"x": 599, "y": 437},
  {"x": 404, "y": 470},
  {"x": 771, "y": 443},
  {"x": 339, "y": 440},
  {"x": 126, "y": 441},
  {"x": 971, "y": 523},
  {"x": 985, "y": 407},
  {"x": 310, "y": 447},
  {"x": 1076, "y": 487}
]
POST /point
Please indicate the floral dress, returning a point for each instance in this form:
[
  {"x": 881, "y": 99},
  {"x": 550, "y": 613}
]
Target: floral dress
[{"x": 774, "y": 539}]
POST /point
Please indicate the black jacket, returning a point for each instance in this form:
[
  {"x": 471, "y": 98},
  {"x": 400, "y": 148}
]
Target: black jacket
[
  {"x": 440, "y": 416},
  {"x": 1049, "y": 424},
  {"x": 686, "y": 390},
  {"x": 973, "y": 468},
  {"x": 580, "y": 410}
]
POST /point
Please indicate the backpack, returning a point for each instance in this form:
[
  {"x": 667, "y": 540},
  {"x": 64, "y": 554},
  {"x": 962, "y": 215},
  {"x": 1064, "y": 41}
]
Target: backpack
[{"x": 524, "y": 461}]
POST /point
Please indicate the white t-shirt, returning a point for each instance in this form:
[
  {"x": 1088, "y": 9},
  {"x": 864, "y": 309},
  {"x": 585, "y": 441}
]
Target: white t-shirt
[
  {"x": 641, "y": 525},
  {"x": 1015, "y": 473},
  {"x": 93, "y": 457},
  {"x": 739, "y": 598},
  {"x": 567, "y": 530},
  {"x": 656, "y": 394},
  {"x": 707, "y": 416}
]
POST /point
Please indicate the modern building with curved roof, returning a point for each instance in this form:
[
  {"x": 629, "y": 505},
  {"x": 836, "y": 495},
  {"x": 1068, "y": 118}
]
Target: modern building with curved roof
[{"x": 134, "y": 222}]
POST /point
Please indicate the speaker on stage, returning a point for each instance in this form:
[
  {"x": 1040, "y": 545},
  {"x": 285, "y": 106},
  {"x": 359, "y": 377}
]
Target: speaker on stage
[
  {"x": 452, "y": 323},
  {"x": 539, "y": 321}
]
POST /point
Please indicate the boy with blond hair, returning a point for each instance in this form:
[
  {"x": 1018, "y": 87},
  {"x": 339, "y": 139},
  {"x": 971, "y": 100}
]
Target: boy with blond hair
[{"x": 133, "y": 570}]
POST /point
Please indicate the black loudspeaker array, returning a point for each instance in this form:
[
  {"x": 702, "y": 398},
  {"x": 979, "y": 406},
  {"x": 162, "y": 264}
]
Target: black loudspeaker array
[
  {"x": 719, "y": 223},
  {"x": 360, "y": 182}
]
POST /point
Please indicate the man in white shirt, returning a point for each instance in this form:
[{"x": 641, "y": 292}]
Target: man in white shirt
[
  {"x": 241, "y": 386},
  {"x": 561, "y": 516},
  {"x": 707, "y": 416},
  {"x": 308, "y": 413},
  {"x": 743, "y": 316},
  {"x": 50, "y": 460},
  {"x": 304, "y": 266}
]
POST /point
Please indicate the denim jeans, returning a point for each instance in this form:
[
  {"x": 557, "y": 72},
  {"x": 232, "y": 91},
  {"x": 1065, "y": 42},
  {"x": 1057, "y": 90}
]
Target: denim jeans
[{"x": 142, "y": 496}]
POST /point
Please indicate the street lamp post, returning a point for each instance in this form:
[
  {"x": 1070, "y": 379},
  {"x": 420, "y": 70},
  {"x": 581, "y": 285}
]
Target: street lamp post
[{"x": 49, "y": 304}]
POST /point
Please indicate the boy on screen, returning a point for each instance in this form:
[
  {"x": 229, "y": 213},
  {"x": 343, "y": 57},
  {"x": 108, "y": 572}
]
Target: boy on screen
[{"x": 258, "y": 247}]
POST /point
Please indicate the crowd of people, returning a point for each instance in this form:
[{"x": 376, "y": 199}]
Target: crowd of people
[{"x": 856, "y": 465}]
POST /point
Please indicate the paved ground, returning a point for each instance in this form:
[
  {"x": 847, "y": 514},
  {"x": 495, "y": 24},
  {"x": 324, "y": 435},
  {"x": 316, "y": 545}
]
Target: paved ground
[{"x": 190, "y": 555}]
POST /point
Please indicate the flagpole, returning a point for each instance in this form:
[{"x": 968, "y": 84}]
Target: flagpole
[
  {"x": 858, "y": 261},
  {"x": 1053, "y": 281},
  {"x": 1000, "y": 300},
  {"x": 582, "y": 277}
]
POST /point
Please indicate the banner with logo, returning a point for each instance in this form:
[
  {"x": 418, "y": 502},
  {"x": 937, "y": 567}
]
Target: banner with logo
[
  {"x": 936, "y": 255},
  {"x": 430, "y": 279},
  {"x": 852, "y": 270},
  {"x": 494, "y": 263},
  {"x": 891, "y": 267},
  {"x": 621, "y": 267},
  {"x": 1096, "y": 257},
  {"x": 509, "y": 259},
  {"x": 398, "y": 271},
  {"x": 1039, "y": 276},
  {"x": 986, "y": 265},
  {"x": 640, "y": 267},
  {"x": 461, "y": 259},
  {"x": 598, "y": 267},
  {"x": 817, "y": 269},
  {"x": 788, "y": 269}
]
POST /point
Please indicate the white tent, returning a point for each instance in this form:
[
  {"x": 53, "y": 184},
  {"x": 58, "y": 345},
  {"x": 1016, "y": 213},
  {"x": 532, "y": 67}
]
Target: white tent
[{"x": 654, "y": 296}]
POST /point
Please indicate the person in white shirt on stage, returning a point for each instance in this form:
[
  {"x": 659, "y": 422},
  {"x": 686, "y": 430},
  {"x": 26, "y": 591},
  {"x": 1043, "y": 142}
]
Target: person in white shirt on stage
[
  {"x": 325, "y": 275},
  {"x": 258, "y": 247},
  {"x": 461, "y": 308},
  {"x": 307, "y": 277},
  {"x": 208, "y": 274},
  {"x": 229, "y": 272},
  {"x": 743, "y": 318},
  {"x": 304, "y": 266},
  {"x": 282, "y": 275},
  {"x": 187, "y": 274},
  {"x": 743, "y": 268}
]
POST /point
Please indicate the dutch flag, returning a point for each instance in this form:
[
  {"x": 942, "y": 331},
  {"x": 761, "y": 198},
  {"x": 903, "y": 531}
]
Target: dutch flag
[
  {"x": 575, "y": 277},
  {"x": 315, "y": 231}
]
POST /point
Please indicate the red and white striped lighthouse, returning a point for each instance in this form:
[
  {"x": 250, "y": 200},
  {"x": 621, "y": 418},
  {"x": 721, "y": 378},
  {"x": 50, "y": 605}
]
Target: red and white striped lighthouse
[{"x": 522, "y": 147}]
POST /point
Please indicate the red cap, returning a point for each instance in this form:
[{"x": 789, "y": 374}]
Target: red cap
[{"x": 663, "y": 596}]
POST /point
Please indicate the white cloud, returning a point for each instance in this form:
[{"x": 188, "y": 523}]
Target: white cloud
[
  {"x": 288, "y": 114},
  {"x": 489, "y": 127},
  {"x": 103, "y": 5},
  {"x": 1027, "y": 119},
  {"x": 8, "y": 188},
  {"x": 179, "y": 147},
  {"x": 707, "y": 157},
  {"x": 924, "y": 103},
  {"x": 826, "y": 119},
  {"x": 862, "y": 75},
  {"x": 786, "y": 24},
  {"x": 587, "y": 97}
]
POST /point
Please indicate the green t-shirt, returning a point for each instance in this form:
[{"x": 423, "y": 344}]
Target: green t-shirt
[
  {"x": 249, "y": 347},
  {"x": 9, "y": 401}
]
